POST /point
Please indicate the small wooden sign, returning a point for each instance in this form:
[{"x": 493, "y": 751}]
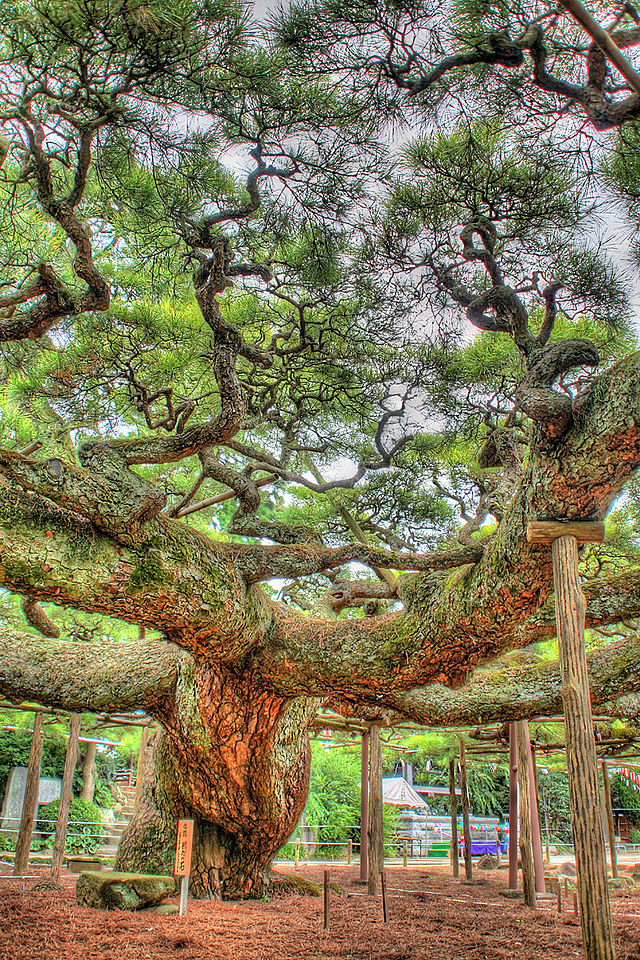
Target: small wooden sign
[{"x": 183, "y": 848}]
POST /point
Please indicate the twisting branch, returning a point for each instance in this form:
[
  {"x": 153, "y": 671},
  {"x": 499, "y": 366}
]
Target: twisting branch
[
  {"x": 498, "y": 691},
  {"x": 263, "y": 563},
  {"x": 356, "y": 593},
  {"x": 535, "y": 395},
  {"x": 114, "y": 498},
  {"x": 203, "y": 235},
  {"x": 37, "y": 618},
  {"x": 52, "y": 302},
  {"x": 209, "y": 281}
]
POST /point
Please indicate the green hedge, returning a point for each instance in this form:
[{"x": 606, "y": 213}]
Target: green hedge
[{"x": 86, "y": 821}]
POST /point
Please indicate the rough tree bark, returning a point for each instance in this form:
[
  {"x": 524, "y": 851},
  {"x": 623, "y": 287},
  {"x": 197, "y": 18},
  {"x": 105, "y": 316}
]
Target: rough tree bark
[
  {"x": 89, "y": 773},
  {"x": 235, "y": 758}
]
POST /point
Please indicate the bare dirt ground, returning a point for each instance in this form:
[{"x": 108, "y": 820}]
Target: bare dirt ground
[{"x": 432, "y": 917}]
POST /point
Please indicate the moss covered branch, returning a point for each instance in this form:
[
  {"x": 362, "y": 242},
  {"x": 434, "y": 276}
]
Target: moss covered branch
[{"x": 97, "y": 676}]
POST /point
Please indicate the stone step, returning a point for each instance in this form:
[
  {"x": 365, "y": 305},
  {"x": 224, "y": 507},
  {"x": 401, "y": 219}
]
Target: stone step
[{"x": 107, "y": 850}]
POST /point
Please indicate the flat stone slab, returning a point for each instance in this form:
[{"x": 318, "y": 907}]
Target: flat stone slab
[
  {"x": 122, "y": 891},
  {"x": 81, "y": 864},
  {"x": 165, "y": 909}
]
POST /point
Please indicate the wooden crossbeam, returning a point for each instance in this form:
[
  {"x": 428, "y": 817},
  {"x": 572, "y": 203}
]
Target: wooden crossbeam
[{"x": 584, "y": 531}]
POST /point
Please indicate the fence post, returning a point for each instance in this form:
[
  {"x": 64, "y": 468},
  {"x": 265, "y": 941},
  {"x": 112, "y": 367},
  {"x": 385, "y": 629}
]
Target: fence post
[{"x": 326, "y": 900}]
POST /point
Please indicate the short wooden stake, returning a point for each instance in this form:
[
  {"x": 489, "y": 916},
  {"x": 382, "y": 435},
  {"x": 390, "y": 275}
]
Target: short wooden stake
[
  {"x": 466, "y": 827},
  {"x": 575, "y": 904},
  {"x": 327, "y": 907},
  {"x": 586, "y": 820},
  {"x": 383, "y": 886},
  {"x": 30, "y": 804},
  {"x": 559, "y": 897},
  {"x": 404, "y": 854},
  {"x": 349, "y": 850},
  {"x": 184, "y": 896},
  {"x": 296, "y": 855},
  {"x": 453, "y": 799},
  {"x": 66, "y": 796}
]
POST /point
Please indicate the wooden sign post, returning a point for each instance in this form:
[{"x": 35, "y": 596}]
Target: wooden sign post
[
  {"x": 584, "y": 795},
  {"x": 182, "y": 869}
]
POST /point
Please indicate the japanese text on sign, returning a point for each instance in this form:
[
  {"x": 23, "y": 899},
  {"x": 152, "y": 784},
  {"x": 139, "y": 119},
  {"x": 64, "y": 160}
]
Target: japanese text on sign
[{"x": 183, "y": 848}]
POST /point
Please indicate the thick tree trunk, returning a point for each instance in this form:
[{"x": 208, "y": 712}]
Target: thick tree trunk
[{"x": 235, "y": 759}]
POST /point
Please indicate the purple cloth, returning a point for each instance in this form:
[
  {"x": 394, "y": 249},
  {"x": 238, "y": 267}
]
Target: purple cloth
[{"x": 480, "y": 847}]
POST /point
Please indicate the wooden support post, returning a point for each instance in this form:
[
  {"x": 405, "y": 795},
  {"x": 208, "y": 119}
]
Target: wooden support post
[
  {"x": 536, "y": 838},
  {"x": 376, "y": 839},
  {"x": 66, "y": 795},
  {"x": 586, "y": 819},
  {"x": 142, "y": 753},
  {"x": 89, "y": 773},
  {"x": 296, "y": 854},
  {"x": 404, "y": 854},
  {"x": 513, "y": 808},
  {"x": 559, "y": 897},
  {"x": 327, "y": 907},
  {"x": 349, "y": 851},
  {"x": 546, "y": 829},
  {"x": 524, "y": 795},
  {"x": 466, "y": 828},
  {"x": 610, "y": 829},
  {"x": 454, "y": 818},
  {"x": 364, "y": 809},
  {"x": 30, "y": 804},
  {"x": 385, "y": 909}
]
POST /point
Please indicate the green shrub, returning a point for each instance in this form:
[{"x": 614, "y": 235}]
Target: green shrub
[
  {"x": 102, "y": 794},
  {"x": 84, "y": 820},
  {"x": 625, "y": 799},
  {"x": 7, "y": 843}
]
